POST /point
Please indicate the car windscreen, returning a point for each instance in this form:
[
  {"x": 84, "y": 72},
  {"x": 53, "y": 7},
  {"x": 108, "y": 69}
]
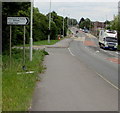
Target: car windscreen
[{"x": 111, "y": 39}]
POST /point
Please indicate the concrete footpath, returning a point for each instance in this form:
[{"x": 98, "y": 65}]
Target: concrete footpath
[
  {"x": 61, "y": 44},
  {"x": 69, "y": 85}
]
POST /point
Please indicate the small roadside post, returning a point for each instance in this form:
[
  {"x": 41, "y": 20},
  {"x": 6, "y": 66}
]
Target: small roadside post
[{"x": 17, "y": 21}]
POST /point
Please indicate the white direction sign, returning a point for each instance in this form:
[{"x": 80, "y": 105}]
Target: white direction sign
[{"x": 17, "y": 20}]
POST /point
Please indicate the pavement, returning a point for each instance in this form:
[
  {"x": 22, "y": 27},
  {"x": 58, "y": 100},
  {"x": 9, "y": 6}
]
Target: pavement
[
  {"x": 61, "y": 44},
  {"x": 69, "y": 85}
]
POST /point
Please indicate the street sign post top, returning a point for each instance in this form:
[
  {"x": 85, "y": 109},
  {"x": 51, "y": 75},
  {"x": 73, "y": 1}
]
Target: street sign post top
[{"x": 17, "y": 20}]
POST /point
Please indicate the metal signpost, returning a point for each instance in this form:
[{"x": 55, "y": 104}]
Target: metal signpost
[{"x": 18, "y": 21}]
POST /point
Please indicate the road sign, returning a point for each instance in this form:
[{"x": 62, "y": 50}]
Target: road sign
[{"x": 17, "y": 20}]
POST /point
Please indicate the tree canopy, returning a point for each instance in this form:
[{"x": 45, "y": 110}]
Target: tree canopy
[
  {"x": 40, "y": 24},
  {"x": 85, "y": 23}
]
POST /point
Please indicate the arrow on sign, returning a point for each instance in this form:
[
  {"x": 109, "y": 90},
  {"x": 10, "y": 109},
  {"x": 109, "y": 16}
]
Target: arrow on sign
[{"x": 17, "y": 20}]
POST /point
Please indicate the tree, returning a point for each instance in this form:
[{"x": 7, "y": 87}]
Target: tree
[
  {"x": 58, "y": 21},
  {"x": 81, "y": 20},
  {"x": 54, "y": 31},
  {"x": 85, "y": 23},
  {"x": 115, "y": 25},
  {"x": 40, "y": 26},
  {"x": 9, "y": 10}
]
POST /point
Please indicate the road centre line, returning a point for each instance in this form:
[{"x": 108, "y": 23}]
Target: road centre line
[
  {"x": 101, "y": 76},
  {"x": 107, "y": 81},
  {"x": 71, "y": 52}
]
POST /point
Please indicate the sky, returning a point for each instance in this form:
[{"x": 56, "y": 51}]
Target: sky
[{"x": 96, "y": 10}]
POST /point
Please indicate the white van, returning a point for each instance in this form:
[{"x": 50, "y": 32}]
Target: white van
[{"x": 108, "y": 39}]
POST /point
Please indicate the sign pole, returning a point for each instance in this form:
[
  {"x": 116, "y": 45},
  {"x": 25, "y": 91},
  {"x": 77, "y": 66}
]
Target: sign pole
[
  {"x": 10, "y": 43},
  {"x": 24, "y": 48}
]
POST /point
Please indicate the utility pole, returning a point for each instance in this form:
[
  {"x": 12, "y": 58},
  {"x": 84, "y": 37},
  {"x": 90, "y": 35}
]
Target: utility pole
[
  {"x": 31, "y": 33},
  {"x": 49, "y": 22},
  {"x": 63, "y": 26},
  {"x": 72, "y": 22},
  {"x": 118, "y": 34}
]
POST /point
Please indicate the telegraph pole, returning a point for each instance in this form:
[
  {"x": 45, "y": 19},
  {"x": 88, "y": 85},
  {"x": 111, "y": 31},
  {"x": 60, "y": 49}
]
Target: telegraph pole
[{"x": 49, "y": 22}]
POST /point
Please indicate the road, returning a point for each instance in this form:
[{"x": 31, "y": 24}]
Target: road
[
  {"x": 73, "y": 81},
  {"x": 103, "y": 62}
]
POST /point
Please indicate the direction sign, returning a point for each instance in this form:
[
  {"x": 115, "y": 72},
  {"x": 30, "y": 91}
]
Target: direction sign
[{"x": 17, "y": 20}]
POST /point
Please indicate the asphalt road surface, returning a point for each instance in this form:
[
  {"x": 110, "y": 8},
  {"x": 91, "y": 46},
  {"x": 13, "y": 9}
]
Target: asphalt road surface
[
  {"x": 103, "y": 62},
  {"x": 77, "y": 78}
]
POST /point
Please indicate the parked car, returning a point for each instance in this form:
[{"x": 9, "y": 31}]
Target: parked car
[{"x": 85, "y": 30}]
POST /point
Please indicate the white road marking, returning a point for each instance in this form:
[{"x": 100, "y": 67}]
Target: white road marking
[
  {"x": 71, "y": 52},
  {"x": 107, "y": 81},
  {"x": 117, "y": 53},
  {"x": 97, "y": 51},
  {"x": 50, "y": 53}
]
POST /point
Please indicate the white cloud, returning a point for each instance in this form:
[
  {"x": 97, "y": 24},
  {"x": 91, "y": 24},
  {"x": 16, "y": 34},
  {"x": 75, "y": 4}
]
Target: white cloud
[
  {"x": 96, "y": 11},
  {"x": 76, "y": 0}
]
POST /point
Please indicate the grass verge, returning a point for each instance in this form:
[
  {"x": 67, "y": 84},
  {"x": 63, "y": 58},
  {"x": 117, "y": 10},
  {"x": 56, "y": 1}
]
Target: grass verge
[
  {"x": 45, "y": 42},
  {"x": 17, "y": 89},
  {"x": 42, "y": 42}
]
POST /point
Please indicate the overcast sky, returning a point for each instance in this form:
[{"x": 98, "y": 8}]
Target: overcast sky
[{"x": 96, "y": 10}]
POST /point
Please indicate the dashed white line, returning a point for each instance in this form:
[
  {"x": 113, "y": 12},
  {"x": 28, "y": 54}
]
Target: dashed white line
[{"x": 71, "y": 52}]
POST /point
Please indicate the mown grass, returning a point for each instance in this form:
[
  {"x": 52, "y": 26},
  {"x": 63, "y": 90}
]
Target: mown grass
[{"x": 17, "y": 89}]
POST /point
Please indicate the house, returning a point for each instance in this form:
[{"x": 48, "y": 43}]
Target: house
[{"x": 96, "y": 26}]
